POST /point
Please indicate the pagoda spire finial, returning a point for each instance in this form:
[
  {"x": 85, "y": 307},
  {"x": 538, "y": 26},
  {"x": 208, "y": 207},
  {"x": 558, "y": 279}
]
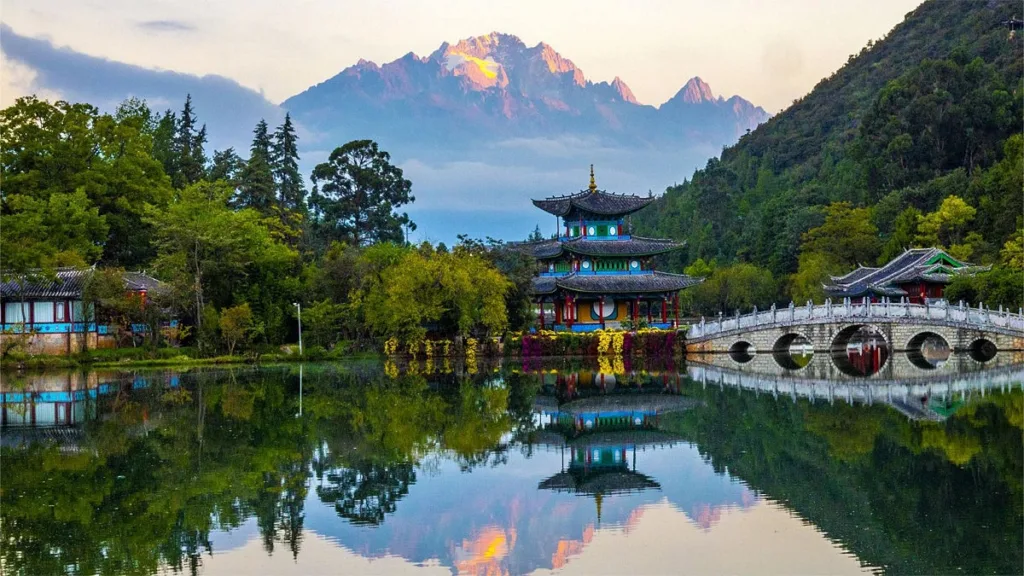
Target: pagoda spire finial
[{"x": 593, "y": 185}]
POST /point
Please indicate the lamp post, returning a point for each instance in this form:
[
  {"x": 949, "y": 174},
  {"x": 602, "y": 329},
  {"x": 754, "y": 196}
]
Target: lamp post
[{"x": 299, "y": 306}]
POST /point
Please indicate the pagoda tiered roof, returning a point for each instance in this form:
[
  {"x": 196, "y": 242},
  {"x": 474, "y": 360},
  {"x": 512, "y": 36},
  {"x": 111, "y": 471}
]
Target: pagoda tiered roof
[
  {"x": 598, "y": 202},
  {"x": 915, "y": 265},
  {"x": 651, "y": 282},
  {"x": 633, "y": 246}
]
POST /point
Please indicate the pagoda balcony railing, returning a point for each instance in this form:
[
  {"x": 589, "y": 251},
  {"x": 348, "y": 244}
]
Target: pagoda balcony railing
[{"x": 885, "y": 311}]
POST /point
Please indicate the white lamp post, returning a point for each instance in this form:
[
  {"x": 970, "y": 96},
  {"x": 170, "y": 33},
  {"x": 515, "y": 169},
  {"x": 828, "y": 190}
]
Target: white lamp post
[{"x": 299, "y": 306}]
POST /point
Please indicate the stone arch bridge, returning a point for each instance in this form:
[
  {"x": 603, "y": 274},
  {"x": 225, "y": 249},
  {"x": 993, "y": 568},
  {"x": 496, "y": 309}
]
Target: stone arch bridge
[{"x": 829, "y": 327}]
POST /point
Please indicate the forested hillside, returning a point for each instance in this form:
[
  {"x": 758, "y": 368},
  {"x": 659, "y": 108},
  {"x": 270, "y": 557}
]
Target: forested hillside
[{"x": 915, "y": 141}]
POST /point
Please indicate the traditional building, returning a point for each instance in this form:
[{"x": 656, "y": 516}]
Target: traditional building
[
  {"x": 51, "y": 313},
  {"x": 596, "y": 274},
  {"x": 919, "y": 275}
]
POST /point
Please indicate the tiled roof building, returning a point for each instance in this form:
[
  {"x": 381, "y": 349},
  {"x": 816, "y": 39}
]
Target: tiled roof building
[
  {"x": 596, "y": 273},
  {"x": 918, "y": 274}
]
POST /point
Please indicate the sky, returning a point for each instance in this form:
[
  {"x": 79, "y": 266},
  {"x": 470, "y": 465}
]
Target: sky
[{"x": 768, "y": 52}]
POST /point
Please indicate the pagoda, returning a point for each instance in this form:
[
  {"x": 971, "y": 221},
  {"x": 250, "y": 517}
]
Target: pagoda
[{"x": 596, "y": 274}]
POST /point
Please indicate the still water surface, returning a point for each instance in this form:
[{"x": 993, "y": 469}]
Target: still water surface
[{"x": 563, "y": 466}]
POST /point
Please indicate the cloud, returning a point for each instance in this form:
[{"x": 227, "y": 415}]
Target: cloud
[
  {"x": 166, "y": 26},
  {"x": 229, "y": 109}
]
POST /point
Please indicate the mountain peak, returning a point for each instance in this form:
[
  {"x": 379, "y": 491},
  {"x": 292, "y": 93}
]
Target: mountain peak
[
  {"x": 623, "y": 91},
  {"x": 695, "y": 91}
]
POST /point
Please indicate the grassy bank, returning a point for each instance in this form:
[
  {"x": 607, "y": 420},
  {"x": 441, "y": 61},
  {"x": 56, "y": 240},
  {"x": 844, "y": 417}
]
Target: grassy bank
[{"x": 146, "y": 357}]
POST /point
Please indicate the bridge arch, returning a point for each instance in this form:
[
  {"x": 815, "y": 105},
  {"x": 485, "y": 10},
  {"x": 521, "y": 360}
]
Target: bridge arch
[
  {"x": 860, "y": 350},
  {"x": 928, "y": 350},
  {"x": 742, "y": 351},
  {"x": 782, "y": 350},
  {"x": 982, "y": 350}
]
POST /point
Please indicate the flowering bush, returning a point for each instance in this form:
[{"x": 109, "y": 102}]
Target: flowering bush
[{"x": 643, "y": 342}]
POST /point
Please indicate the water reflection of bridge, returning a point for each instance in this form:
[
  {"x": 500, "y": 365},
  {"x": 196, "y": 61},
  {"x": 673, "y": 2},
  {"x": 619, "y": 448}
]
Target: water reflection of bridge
[{"x": 914, "y": 391}]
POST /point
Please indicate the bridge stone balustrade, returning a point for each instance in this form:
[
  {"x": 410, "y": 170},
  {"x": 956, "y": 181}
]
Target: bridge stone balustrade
[
  {"x": 898, "y": 322},
  {"x": 959, "y": 379}
]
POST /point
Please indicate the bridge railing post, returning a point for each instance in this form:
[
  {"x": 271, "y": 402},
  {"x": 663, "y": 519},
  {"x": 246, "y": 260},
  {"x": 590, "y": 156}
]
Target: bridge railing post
[
  {"x": 828, "y": 307},
  {"x": 773, "y": 312}
]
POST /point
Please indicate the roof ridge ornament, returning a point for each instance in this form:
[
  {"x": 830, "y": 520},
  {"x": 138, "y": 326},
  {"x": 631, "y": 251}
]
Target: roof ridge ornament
[{"x": 593, "y": 185}]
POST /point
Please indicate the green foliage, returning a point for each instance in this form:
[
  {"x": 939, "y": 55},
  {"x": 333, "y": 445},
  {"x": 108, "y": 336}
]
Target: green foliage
[
  {"x": 291, "y": 192},
  {"x": 77, "y": 183},
  {"x": 256, "y": 186},
  {"x": 906, "y": 123},
  {"x": 947, "y": 226},
  {"x": 356, "y": 194},
  {"x": 322, "y": 320},
  {"x": 405, "y": 290},
  {"x": 189, "y": 165},
  {"x": 209, "y": 252},
  {"x": 729, "y": 288},
  {"x": 236, "y": 326},
  {"x": 997, "y": 287},
  {"x": 846, "y": 238}
]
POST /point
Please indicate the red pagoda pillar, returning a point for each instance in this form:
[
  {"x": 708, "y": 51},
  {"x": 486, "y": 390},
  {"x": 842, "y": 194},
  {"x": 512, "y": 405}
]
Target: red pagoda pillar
[
  {"x": 664, "y": 309},
  {"x": 570, "y": 312},
  {"x": 558, "y": 312},
  {"x": 540, "y": 315},
  {"x": 602, "y": 312}
]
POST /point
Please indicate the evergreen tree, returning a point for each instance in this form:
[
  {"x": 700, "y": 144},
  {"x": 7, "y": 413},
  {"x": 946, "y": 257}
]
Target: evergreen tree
[
  {"x": 257, "y": 184},
  {"x": 227, "y": 166},
  {"x": 188, "y": 148},
  {"x": 163, "y": 143},
  {"x": 285, "y": 164}
]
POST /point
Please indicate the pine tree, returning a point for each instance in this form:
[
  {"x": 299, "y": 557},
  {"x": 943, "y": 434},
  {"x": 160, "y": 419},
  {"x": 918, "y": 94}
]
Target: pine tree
[
  {"x": 188, "y": 148},
  {"x": 285, "y": 164},
  {"x": 226, "y": 166},
  {"x": 163, "y": 143},
  {"x": 257, "y": 183}
]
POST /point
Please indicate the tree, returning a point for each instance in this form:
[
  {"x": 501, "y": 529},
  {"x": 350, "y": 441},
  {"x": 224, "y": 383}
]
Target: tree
[
  {"x": 902, "y": 236},
  {"x": 65, "y": 157},
  {"x": 322, "y": 321},
  {"x": 814, "y": 271},
  {"x": 227, "y": 166},
  {"x": 730, "y": 288},
  {"x": 64, "y": 230},
  {"x": 847, "y": 237},
  {"x": 256, "y": 188},
  {"x": 190, "y": 166},
  {"x": 405, "y": 289},
  {"x": 291, "y": 192},
  {"x": 1013, "y": 251},
  {"x": 208, "y": 251},
  {"x": 356, "y": 194},
  {"x": 947, "y": 225},
  {"x": 163, "y": 144},
  {"x": 236, "y": 325}
]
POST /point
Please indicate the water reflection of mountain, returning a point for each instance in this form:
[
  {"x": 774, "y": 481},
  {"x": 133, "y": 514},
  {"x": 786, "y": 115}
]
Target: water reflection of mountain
[
  {"x": 593, "y": 462},
  {"x": 500, "y": 473}
]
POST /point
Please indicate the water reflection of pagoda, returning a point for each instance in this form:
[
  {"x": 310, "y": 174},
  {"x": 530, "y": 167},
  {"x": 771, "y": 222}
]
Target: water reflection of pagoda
[{"x": 601, "y": 435}]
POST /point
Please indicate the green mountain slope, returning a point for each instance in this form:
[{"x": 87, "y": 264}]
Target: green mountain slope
[{"x": 932, "y": 110}]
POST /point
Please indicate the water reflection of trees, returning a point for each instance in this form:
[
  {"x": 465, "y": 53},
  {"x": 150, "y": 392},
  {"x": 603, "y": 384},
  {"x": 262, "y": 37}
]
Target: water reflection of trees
[
  {"x": 915, "y": 497},
  {"x": 159, "y": 471}
]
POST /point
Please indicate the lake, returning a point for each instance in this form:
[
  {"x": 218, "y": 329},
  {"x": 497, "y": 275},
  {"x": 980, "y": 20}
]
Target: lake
[{"x": 569, "y": 466}]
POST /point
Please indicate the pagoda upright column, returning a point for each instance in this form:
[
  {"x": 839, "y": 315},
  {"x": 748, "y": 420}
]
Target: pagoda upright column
[
  {"x": 664, "y": 309},
  {"x": 675, "y": 310},
  {"x": 540, "y": 315}
]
